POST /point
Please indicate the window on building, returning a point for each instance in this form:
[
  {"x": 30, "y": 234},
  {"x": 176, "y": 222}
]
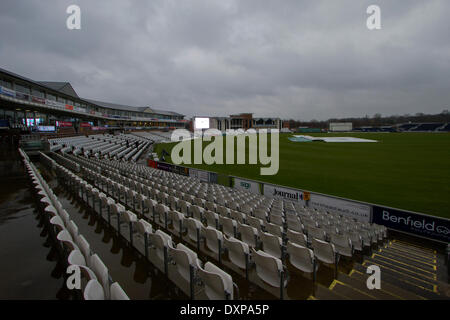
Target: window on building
[
  {"x": 6, "y": 84},
  {"x": 22, "y": 89},
  {"x": 37, "y": 93}
]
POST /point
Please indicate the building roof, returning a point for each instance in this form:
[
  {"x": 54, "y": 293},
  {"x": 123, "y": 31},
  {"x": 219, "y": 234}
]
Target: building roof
[
  {"x": 111, "y": 105},
  {"x": 66, "y": 88}
]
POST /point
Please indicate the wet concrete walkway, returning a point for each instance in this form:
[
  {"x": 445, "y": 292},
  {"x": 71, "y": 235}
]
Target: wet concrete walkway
[{"x": 29, "y": 267}]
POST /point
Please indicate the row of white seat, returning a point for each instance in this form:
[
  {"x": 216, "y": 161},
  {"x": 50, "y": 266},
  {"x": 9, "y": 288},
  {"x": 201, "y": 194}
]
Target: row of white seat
[
  {"x": 218, "y": 284},
  {"x": 273, "y": 252},
  {"x": 310, "y": 218},
  {"x": 66, "y": 232},
  {"x": 271, "y": 243},
  {"x": 102, "y": 146},
  {"x": 134, "y": 191}
]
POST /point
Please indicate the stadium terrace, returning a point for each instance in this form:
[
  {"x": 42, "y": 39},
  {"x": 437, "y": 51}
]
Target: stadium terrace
[{"x": 92, "y": 198}]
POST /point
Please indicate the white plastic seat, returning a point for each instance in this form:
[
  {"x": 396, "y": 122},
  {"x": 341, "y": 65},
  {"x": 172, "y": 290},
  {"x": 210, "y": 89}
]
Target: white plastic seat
[
  {"x": 342, "y": 245},
  {"x": 101, "y": 271},
  {"x": 66, "y": 240},
  {"x": 131, "y": 219},
  {"x": 238, "y": 216},
  {"x": 72, "y": 228},
  {"x": 297, "y": 237},
  {"x": 246, "y": 209},
  {"x": 194, "y": 228},
  {"x": 184, "y": 206},
  {"x": 161, "y": 241},
  {"x": 84, "y": 246},
  {"x": 275, "y": 219},
  {"x": 117, "y": 293},
  {"x": 187, "y": 264},
  {"x": 212, "y": 219},
  {"x": 324, "y": 251},
  {"x": 177, "y": 221},
  {"x": 238, "y": 252},
  {"x": 94, "y": 291},
  {"x": 269, "y": 269},
  {"x": 214, "y": 241},
  {"x": 255, "y": 222},
  {"x": 223, "y": 211},
  {"x": 197, "y": 212},
  {"x": 272, "y": 244},
  {"x": 161, "y": 212},
  {"x": 301, "y": 258},
  {"x": 58, "y": 223},
  {"x": 260, "y": 214},
  {"x": 229, "y": 226},
  {"x": 218, "y": 283},
  {"x": 274, "y": 229},
  {"x": 173, "y": 202},
  {"x": 316, "y": 233},
  {"x": 51, "y": 210},
  {"x": 249, "y": 234},
  {"x": 210, "y": 206},
  {"x": 76, "y": 258}
]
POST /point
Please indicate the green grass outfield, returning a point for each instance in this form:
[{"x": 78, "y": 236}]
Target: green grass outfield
[{"x": 403, "y": 170}]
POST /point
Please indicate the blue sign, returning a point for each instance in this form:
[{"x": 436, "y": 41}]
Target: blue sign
[{"x": 421, "y": 225}]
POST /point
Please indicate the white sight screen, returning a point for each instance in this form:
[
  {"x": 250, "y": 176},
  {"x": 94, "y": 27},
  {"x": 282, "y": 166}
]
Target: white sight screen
[{"x": 201, "y": 123}]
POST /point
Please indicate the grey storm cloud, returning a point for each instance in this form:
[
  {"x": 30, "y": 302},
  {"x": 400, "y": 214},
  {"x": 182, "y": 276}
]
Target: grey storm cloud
[{"x": 291, "y": 58}]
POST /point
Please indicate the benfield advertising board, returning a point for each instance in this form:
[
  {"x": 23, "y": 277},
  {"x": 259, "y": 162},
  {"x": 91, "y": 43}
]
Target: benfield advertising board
[{"x": 421, "y": 225}]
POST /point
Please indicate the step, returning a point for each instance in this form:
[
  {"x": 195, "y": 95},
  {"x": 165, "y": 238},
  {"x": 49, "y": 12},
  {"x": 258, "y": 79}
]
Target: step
[
  {"x": 386, "y": 286},
  {"x": 414, "y": 246},
  {"x": 362, "y": 286},
  {"x": 323, "y": 293},
  {"x": 409, "y": 255},
  {"x": 348, "y": 291},
  {"x": 429, "y": 266},
  {"x": 426, "y": 271},
  {"x": 419, "y": 286}
]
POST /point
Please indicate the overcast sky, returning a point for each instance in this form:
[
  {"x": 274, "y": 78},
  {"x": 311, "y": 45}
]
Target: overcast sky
[{"x": 292, "y": 59}]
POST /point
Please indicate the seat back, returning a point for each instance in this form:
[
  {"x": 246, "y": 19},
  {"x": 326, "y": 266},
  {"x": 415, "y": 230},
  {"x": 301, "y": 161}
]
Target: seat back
[
  {"x": 143, "y": 227},
  {"x": 93, "y": 291},
  {"x": 323, "y": 251},
  {"x": 273, "y": 229},
  {"x": 213, "y": 238},
  {"x": 117, "y": 293},
  {"x": 300, "y": 257},
  {"x": 84, "y": 246},
  {"x": 184, "y": 258},
  {"x": 193, "y": 226},
  {"x": 248, "y": 234},
  {"x": 237, "y": 251},
  {"x": 76, "y": 258},
  {"x": 101, "y": 271},
  {"x": 218, "y": 283},
  {"x": 211, "y": 219},
  {"x": 271, "y": 244},
  {"x": 297, "y": 237},
  {"x": 268, "y": 268}
]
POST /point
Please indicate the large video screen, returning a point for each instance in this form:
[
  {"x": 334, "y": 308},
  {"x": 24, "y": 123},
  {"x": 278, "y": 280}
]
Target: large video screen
[
  {"x": 46, "y": 128},
  {"x": 201, "y": 123}
]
